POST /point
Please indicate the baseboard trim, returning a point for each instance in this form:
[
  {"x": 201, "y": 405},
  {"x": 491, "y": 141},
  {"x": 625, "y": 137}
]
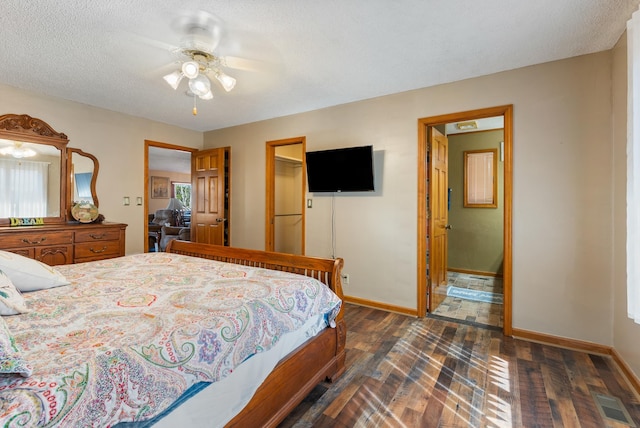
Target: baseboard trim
[
  {"x": 382, "y": 306},
  {"x": 562, "y": 342},
  {"x": 475, "y": 272},
  {"x": 633, "y": 380},
  {"x": 584, "y": 346}
]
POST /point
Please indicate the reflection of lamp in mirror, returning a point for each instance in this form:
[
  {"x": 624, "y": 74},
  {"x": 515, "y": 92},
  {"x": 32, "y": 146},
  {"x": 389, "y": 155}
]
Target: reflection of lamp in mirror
[
  {"x": 18, "y": 151},
  {"x": 177, "y": 207}
]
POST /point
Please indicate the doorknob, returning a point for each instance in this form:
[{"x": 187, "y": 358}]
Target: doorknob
[
  {"x": 220, "y": 220},
  {"x": 448, "y": 227}
]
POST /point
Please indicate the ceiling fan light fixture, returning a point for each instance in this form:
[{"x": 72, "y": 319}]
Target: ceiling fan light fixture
[
  {"x": 227, "y": 82},
  {"x": 202, "y": 32},
  {"x": 200, "y": 85},
  {"x": 207, "y": 96},
  {"x": 17, "y": 151},
  {"x": 191, "y": 69},
  {"x": 174, "y": 79}
]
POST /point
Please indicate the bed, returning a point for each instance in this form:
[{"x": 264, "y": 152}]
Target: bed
[{"x": 159, "y": 332}]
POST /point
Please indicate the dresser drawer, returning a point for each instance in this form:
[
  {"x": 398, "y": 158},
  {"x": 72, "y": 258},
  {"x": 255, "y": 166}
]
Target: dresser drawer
[
  {"x": 57, "y": 244},
  {"x": 54, "y": 255},
  {"x": 36, "y": 239},
  {"x": 97, "y": 250},
  {"x": 26, "y": 252},
  {"x": 97, "y": 235}
]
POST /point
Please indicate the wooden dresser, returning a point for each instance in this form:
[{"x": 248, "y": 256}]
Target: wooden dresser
[{"x": 61, "y": 244}]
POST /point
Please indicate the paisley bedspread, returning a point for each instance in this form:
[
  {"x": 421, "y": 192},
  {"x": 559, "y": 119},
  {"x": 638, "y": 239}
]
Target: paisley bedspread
[{"x": 129, "y": 335}]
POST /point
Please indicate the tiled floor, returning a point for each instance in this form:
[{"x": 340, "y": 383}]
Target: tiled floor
[{"x": 468, "y": 310}]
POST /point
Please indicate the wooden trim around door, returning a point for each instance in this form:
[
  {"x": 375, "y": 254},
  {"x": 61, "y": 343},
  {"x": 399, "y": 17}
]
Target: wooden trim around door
[
  {"x": 270, "y": 190},
  {"x": 423, "y": 127}
]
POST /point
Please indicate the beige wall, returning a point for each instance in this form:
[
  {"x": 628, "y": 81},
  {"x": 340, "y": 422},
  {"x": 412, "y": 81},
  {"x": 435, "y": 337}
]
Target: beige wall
[
  {"x": 475, "y": 240},
  {"x": 562, "y": 186},
  {"x": 626, "y": 333},
  {"x": 117, "y": 140},
  {"x": 569, "y": 237}
]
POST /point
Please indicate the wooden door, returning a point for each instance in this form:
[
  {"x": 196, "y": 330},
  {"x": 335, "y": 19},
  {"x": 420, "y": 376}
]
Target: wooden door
[
  {"x": 438, "y": 217},
  {"x": 210, "y": 189}
]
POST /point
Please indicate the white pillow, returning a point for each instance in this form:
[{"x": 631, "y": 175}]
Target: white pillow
[
  {"x": 11, "y": 301},
  {"x": 29, "y": 274}
]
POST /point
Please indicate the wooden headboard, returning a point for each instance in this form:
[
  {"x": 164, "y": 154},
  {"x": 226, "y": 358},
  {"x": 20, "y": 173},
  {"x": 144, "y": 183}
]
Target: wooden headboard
[{"x": 326, "y": 271}]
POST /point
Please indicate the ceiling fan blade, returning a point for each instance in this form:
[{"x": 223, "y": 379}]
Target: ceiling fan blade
[
  {"x": 244, "y": 64},
  {"x": 200, "y": 30},
  {"x": 152, "y": 43}
]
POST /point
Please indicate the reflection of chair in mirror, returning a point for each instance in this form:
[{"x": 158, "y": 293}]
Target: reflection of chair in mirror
[{"x": 169, "y": 233}]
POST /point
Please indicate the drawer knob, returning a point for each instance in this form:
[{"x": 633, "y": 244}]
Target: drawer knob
[
  {"x": 37, "y": 241},
  {"x": 98, "y": 251},
  {"x": 97, "y": 236}
]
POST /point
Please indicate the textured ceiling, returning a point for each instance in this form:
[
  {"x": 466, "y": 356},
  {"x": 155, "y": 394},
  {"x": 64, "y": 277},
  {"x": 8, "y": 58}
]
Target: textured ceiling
[{"x": 300, "y": 55}]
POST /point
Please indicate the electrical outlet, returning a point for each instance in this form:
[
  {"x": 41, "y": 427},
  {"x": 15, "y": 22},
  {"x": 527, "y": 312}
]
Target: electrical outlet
[{"x": 345, "y": 278}]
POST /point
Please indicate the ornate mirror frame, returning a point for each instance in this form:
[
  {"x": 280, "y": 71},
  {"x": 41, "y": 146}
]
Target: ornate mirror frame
[{"x": 24, "y": 128}]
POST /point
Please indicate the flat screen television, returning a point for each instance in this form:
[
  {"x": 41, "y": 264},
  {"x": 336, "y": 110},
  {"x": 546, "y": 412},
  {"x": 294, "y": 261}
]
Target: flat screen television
[{"x": 341, "y": 170}]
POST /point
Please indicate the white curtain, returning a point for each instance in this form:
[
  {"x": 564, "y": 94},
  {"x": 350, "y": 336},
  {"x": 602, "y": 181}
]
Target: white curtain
[
  {"x": 23, "y": 188},
  {"x": 633, "y": 168}
]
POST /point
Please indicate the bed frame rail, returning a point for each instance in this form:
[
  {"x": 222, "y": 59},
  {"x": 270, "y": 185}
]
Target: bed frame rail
[{"x": 321, "y": 357}]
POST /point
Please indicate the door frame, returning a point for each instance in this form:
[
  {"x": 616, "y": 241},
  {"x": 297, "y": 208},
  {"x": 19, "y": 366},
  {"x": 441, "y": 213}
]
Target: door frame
[
  {"x": 147, "y": 144},
  {"x": 270, "y": 191},
  {"x": 424, "y": 126}
]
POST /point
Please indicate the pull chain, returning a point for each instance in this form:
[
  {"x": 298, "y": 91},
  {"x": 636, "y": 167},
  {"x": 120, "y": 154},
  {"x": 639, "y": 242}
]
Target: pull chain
[{"x": 195, "y": 108}]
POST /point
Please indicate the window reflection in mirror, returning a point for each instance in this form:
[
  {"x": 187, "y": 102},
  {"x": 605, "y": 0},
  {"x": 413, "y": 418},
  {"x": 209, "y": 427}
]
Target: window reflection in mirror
[
  {"x": 29, "y": 179},
  {"x": 81, "y": 175}
]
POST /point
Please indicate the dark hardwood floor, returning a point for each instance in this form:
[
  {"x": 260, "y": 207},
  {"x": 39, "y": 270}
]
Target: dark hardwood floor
[{"x": 408, "y": 372}]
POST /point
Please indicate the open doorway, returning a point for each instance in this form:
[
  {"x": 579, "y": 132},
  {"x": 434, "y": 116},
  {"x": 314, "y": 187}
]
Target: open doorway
[
  {"x": 168, "y": 189},
  {"x": 435, "y": 201},
  {"x": 285, "y": 205}
]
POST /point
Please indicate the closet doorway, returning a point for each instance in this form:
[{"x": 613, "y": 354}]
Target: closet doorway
[
  {"x": 285, "y": 193},
  {"x": 434, "y": 198}
]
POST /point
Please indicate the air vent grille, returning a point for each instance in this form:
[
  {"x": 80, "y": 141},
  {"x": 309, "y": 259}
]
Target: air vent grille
[{"x": 612, "y": 408}]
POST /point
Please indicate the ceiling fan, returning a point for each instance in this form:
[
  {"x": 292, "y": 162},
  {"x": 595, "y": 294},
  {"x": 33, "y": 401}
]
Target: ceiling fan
[{"x": 198, "y": 62}]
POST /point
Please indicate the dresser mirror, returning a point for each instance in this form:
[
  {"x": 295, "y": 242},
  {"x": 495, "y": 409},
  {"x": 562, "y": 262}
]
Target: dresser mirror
[
  {"x": 33, "y": 170},
  {"x": 40, "y": 177},
  {"x": 83, "y": 173}
]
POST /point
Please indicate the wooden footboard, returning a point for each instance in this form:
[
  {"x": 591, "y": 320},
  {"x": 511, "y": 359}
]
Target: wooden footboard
[{"x": 320, "y": 358}]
